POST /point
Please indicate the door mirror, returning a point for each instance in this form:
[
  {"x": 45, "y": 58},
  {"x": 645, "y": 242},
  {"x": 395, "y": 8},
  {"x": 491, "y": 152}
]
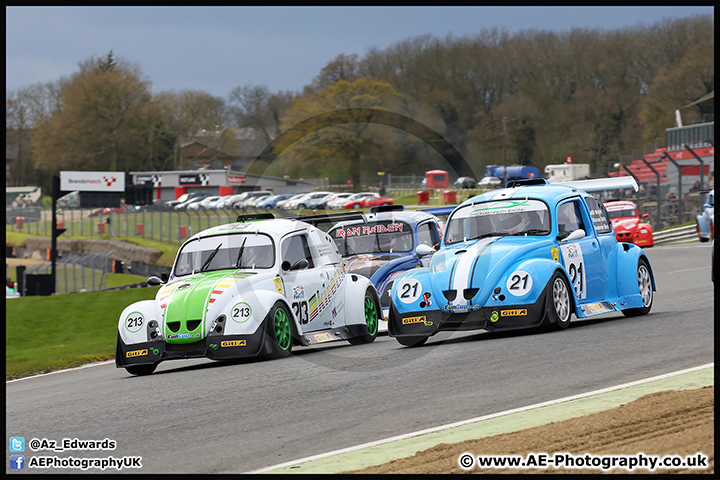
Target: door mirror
[
  {"x": 569, "y": 237},
  {"x": 299, "y": 265},
  {"x": 422, "y": 250},
  {"x": 154, "y": 281},
  {"x": 645, "y": 215}
]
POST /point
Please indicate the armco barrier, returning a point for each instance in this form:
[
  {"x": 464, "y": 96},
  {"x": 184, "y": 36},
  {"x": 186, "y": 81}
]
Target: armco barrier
[{"x": 676, "y": 235}]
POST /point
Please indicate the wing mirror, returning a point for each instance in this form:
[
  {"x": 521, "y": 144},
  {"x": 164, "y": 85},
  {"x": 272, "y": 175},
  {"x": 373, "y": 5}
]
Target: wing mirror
[
  {"x": 299, "y": 265},
  {"x": 645, "y": 215},
  {"x": 565, "y": 237},
  {"x": 154, "y": 281},
  {"x": 422, "y": 250}
]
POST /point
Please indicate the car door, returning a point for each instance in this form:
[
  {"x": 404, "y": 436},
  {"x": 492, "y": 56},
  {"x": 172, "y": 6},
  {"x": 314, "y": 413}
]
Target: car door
[
  {"x": 582, "y": 258},
  {"x": 305, "y": 288},
  {"x": 428, "y": 233}
]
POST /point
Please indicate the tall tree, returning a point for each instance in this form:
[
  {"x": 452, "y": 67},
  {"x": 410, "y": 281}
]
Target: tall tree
[{"x": 102, "y": 122}]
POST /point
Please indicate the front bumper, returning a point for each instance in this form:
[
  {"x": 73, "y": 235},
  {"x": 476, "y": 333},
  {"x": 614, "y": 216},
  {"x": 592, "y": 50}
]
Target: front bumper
[
  {"x": 491, "y": 318},
  {"x": 216, "y": 347}
]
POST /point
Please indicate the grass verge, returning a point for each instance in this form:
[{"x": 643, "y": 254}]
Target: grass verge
[{"x": 50, "y": 333}]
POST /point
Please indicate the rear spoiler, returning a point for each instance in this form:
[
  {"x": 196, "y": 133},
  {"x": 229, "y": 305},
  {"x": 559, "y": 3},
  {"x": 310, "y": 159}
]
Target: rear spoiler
[
  {"x": 438, "y": 210},
  {"x": 331, "y": 218},
  {"x": 601, "y": 184}
]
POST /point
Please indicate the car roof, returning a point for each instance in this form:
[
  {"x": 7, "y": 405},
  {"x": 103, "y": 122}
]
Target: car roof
[
  {"x": 410, "y": 216},
  {"x": 276, "y": 227},
  {"x": 551, "y": 193}
]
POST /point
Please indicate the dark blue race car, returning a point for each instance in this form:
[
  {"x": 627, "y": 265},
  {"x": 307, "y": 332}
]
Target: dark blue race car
[{"x": 388, "y": 241}]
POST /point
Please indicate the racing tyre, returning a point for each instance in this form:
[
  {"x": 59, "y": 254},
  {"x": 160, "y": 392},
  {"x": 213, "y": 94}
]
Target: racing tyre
[
  {"x": 141, "y": 369},
  {"x": 646, "y": 291},
  {"x": 278, "y": 337},
  {"x": 559, "y": 303},
  {"x": 356, "y": 206},
  {"x": 411, "y": 341},
  {"x": 371, "y": 320}
]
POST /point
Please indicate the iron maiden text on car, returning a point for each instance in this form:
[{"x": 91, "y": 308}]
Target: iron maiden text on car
[
  {"x": 520, "y": 257},
  {"x": 255, "y": 287}
]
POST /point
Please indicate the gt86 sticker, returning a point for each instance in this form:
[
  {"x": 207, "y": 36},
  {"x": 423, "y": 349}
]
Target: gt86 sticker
[{"x": 575, "y": 267}]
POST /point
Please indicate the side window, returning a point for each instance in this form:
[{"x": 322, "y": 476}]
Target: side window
[
  {"x": 569, "y": 217},
  {"x": 296, "y": 248},
  {"x": 427, "y": 234},
  {"x": 599, "y": 216}
]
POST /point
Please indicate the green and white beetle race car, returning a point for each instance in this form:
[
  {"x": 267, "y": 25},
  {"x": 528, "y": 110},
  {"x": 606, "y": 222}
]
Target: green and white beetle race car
[{"x": 254, "y": 287}]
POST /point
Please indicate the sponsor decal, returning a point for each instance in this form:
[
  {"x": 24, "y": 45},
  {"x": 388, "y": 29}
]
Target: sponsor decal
[
  {"x": 460, "y": 307},
  {"x": 596, "y": 307},
  {"x": 323, "y": 337},
  {"x": 183, "y": 335},
  {"x": 410, "y": 320},
  {"x": 137, "y": 353},
  {"x": 298, "y": 292},
  {"x": 521, "y": 312},
  {"x": 555, "y": 254},
  {"x": 279, "y": 285},
  {"x": 494, "y": 317},
  {"x": 369, "y": 230},
  {"x": 233, "y": 343}
]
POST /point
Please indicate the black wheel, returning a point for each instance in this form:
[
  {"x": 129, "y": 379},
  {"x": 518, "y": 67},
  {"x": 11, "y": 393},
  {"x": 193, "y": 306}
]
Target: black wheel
[
  {"x": 646, "y": 290},
  {"x": 558, "y": 307},
  {"x": 412, "y": 341},
  {"x": 278, "y": 336},
  {"x": 356, "y": 206},
  {"x": 371, "y": 312},
  {"x": 141, "y": 369}
]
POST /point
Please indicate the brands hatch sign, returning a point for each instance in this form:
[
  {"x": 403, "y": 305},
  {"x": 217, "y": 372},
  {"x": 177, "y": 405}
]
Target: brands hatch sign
[{"x": 92, "y": 181}]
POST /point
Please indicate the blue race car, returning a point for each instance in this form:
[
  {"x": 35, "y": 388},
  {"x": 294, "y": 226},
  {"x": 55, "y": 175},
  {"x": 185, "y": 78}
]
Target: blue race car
[
  {"x": 386, "y": 242},
  {"x": 706, "y": 220},
  {"x": 527, "y": 255}
]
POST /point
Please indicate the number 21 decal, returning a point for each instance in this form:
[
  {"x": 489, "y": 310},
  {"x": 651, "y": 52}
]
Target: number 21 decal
[
  {"x": 409, "y": 290},
  {"x": 519, "y": 283},
  {"x": 575, "y": 266}
]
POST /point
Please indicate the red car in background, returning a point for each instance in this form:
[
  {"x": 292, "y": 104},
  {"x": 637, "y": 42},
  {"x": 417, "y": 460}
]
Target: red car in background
[
  {"x": 366, "y": 200},
  {"x": 627, "y": 223}
]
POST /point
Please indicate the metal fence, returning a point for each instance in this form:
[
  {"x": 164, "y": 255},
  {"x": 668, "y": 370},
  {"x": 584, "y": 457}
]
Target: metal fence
[{"x": 73, "y": 273}]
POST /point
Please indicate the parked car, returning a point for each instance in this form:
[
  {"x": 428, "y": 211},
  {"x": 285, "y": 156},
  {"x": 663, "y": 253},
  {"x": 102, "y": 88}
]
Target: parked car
[
  {"x": 171, "y": 204},
  {"x": 207, "y": 203},
  {"x": 197, "y": 198},
  {"x": 386, "y": 242},
  {"x": 706, "y": 220},
  {"x": 627, "y": 223},
  {"x": 338, "y": 201},
  {"x": 523, "y": 257},
  {"x": 253, "y": 201},
  {"x": 268, "y": 203},
  {"x": 283, "y": 204},
  {"x": 301, "y": 203},
  {"x": 318, "y": 203},
  {"x": 241, "y": 202},
  {"x": 465, "y": 182},
  {"x": 365, "y": 200},
  {"x": 256, "y": 287},
  {"x": 489, "y": 182}
]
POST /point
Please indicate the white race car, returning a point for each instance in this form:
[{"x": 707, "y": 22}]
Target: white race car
[{"x": 254, "y": 287}]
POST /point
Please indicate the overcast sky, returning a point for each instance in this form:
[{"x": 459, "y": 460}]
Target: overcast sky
[{"x": 215, "y": 49}]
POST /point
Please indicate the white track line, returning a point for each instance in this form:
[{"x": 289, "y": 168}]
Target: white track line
[
  {"x": 473, "y": 420},
  {"x": 61, "y": 371}
]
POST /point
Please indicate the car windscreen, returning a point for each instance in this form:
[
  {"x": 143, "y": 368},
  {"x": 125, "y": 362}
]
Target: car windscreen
[
  {"x": 498, "y": 218},
  {"x": 373, "y": 237},
  {"x": 619, "y": 211},
  {"x": 257, "y": 252}
]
